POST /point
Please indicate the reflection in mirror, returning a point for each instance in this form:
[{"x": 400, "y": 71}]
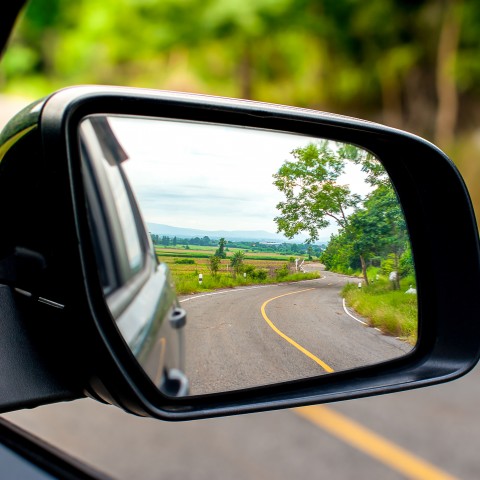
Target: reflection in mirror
[{"x": 289, "y": 253}]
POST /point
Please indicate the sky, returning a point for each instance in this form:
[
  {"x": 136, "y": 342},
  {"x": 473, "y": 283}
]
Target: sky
[{"x": 210, "y": 176}]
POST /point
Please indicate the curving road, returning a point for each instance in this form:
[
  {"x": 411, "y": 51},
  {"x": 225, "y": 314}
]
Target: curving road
[{"x": 251, "y": 336}]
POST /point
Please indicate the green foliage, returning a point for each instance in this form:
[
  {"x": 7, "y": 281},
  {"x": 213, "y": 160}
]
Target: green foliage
[
  {"x": 406, "y": 266},
  {"x": 390, "y": 264},
  {"x": 315, "y": 197},
  {"x": 236, "y": 262},
  {"x": 249, "y": 270},
  {"x": 376, "y": 232},
  {"x": 255, "y": 273},
  {"x": 312, "y": 196},
  {"x": 214, "y": 264},
  {"x": 393, "y": 312},
  {"x": 260, "y": 274},
  {"x": 282, "y": 272},
  {"x": 185, "y": 261},
  {"x": 187, "y": 253},
  {"x": 186, "y": 284},
  {"x": 339, "y": 55},
  {"x": 220, "y": 252},
  {"x": 339, "y": 256}
]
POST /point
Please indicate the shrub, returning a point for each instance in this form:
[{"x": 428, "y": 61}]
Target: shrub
[
  {"x": 406, "y": 265},
  {"x": 250, "y": 270},
  {"x": 261, "y": 274},
  {"x": 184, "y": 261},
  {"x": 214, "y": 264},
  {"x": 282, "y": 272}
]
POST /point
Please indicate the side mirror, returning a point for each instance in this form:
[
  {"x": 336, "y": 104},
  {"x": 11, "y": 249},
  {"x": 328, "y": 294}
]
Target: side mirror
[{"x": 117, "y": 189}]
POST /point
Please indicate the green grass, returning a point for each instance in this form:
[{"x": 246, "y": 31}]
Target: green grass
[
  {"x": 185, "y": 270},
  {"x": 205, "y": 252},
  {"x": 186, "y": 284},
  {"x": 169, "y": 252},
  {"x": 393, "y": 312},
  {"x": 371, "y": 272}
]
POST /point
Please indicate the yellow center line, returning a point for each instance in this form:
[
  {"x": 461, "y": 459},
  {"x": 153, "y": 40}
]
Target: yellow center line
[
  {"x": 355, "y": 434},
  {"x": 372, "y": 444},
  {"x": 288, "y": 339}
]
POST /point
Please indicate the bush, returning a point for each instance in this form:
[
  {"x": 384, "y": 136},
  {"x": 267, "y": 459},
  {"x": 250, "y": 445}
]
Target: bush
[
  {"x": 249, "y": 270},
  {"x": 260, "y": 274},
  {"x": 184, "y": 261},
  {"x": 214, "y": 263},
  {"x": 254, "y": 273},
  {"x": 406, "y": 266},
  {"x": 282, "y": 272}
]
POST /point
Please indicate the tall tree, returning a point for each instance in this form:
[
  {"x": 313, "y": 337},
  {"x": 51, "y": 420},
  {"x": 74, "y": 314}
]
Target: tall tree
[
  {"x": 376, "y": 229},
  {"x": 313, "y": 198},
  {"x": 220, "y": 252},
  {"x": 236, "y": 261}
]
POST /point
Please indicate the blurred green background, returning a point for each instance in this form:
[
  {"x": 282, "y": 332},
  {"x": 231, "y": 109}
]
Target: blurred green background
[{"x": 414, "y": 65}]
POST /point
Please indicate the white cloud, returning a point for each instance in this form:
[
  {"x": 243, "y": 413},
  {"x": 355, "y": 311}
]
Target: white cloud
[{"x": 213, "y": 177}]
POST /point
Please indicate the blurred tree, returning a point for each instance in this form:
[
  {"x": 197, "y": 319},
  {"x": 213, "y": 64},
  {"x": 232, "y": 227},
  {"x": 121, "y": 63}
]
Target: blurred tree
[
  {"x": 410, "y": 64},
  {"x": 236, "y": 262},
  {"x": 214, "y": 263},
  {"x": 220, "y": 251}
]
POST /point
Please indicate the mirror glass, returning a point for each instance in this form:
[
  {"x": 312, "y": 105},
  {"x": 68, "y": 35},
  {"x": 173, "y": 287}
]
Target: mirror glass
[{"x": 289, "y": 253}]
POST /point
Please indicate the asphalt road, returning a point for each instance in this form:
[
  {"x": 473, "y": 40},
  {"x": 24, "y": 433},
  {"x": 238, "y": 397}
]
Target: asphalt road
[
  {"x": 439, "y": 425},
  {"x": 252, "y": 336}
]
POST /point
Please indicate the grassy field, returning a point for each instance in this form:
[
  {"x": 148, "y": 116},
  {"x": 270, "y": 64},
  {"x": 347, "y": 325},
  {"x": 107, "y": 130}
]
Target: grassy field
[
  {"x": 205, "y": 252},
  {"x": 392, "y": 311},
  {"x": 185, "y": 275}
]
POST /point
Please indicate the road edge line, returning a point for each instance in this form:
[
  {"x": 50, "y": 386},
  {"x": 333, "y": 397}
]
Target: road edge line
[{"x": 350, "y": 315}]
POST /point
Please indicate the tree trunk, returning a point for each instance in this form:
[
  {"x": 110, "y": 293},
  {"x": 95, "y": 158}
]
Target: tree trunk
[
  {"x": 420, "y": 104},
  {"x": 391, "y": 100},
  {"x": 245, "y": 73},
  {"x": 447, "y": 94},
  {"x": 364, "y": 270}
]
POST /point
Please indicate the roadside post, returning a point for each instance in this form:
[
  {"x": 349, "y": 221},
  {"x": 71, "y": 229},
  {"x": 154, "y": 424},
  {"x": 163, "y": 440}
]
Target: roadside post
[{"x": 200, "y": 278}]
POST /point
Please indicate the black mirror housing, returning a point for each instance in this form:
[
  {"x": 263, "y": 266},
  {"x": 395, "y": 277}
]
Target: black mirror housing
[{"x": 44, "y": 210}]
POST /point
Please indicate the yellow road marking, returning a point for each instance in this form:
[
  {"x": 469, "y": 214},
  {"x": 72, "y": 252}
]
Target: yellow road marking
[
  {"x": 288, "y": 339},
  {"x": 355, "y": 434},
  {"x": 372, "y": 444}
]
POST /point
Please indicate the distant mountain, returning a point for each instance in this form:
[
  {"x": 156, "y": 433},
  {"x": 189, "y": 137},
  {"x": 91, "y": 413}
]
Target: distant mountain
[
  {"x": 234, "y": 235},
  {"x": 237, "y": 235}
]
